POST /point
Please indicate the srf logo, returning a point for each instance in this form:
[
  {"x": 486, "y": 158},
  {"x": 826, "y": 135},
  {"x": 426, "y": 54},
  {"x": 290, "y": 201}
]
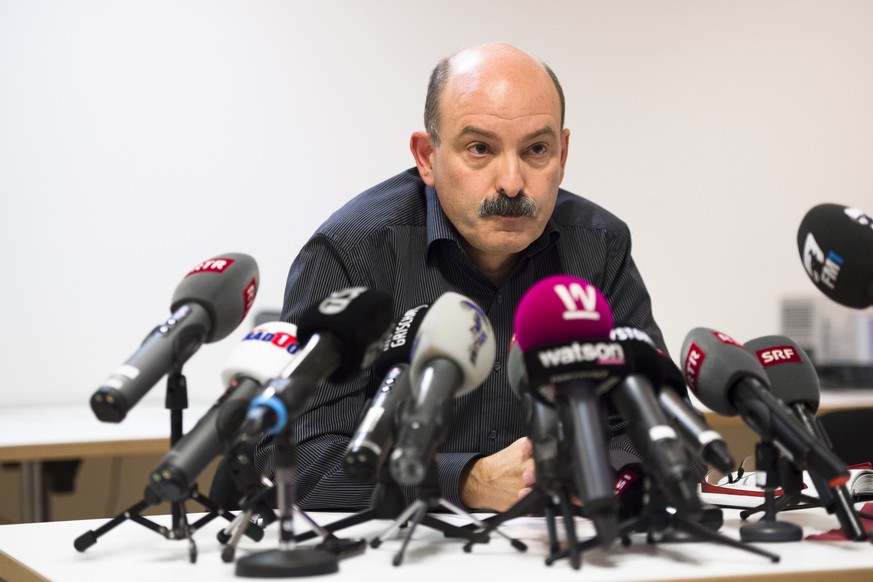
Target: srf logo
[
  {"x": 580, "y": 302},
  {"x": 778, "y": 355},
  {"x": 337, "y": 301}
]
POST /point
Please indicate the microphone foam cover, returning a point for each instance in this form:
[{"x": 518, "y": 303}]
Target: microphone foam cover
[
  {"x": 713, "y": 362},
  {"x": 225, "y": 286},
  {"x": 357, "y": 316},
  {"x": 793, "y": 377},
  {"x": 263, "y": 353},
  {"x": 398, "y": 346},
  {"x": 835, "y": 244},
  {"x": 561, "y": 308},
  {"x": 456, "y": 329}
]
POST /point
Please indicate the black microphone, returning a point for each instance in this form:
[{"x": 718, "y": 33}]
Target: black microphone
[
  {"x": 263, "y": 353},
  {"x": 453, "y": 353},
  {"x": 698, "y": 437},
  {"x": 340, "y": 335},
  {"x": 374, "y": 436},
  {"x": 728, "y": 378},
  {"x": 654, "y": 437},
  {"x": 835, "y": 244},
  {"x": 561, "y": 324},
  {"x": 793, "y": 380},
  {"x": 543, "y": 422},
  {"x": 209, "y": 303}
]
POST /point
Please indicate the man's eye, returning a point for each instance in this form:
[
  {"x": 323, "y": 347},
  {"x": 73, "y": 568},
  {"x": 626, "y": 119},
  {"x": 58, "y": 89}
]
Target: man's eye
[
  {"x": 480, "y": 149},
  {"x": 538, "y": 149}
]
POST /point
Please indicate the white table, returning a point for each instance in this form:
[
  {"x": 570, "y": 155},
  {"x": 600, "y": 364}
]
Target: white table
[
  {"x": 131, "y": 552},
  {"x": 32, "y": 435}
]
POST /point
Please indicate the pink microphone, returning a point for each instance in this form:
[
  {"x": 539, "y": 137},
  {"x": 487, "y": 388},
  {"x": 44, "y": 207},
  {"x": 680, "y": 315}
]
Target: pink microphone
[{"x": 561, "y": 308}]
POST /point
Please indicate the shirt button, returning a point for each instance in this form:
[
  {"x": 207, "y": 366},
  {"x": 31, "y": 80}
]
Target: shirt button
[
  {"x": 499, "y": 298},
  {"x": 492, "y": 434},
  {"x": 496, "y": 366}
]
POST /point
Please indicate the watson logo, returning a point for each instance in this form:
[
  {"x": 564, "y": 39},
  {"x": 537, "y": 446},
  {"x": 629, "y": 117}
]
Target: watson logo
[
  {"x": 778, "y": 355},
  {"x": 821, "y": 269},
  {"x": 602, "y": 352},
  {"x": 580, "y": 302},
  {"x": 216, "y": 265}
]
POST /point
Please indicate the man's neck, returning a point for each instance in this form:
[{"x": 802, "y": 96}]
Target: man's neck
[{"x": 495, "y": 267}]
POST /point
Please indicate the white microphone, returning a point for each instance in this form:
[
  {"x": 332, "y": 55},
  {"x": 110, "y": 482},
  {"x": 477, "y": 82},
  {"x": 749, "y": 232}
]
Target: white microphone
[{"x": 453, "y": 353}]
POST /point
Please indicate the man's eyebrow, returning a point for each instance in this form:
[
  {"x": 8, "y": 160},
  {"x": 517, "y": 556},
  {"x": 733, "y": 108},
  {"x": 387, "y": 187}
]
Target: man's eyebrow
[{"x": 546, "y": 131}]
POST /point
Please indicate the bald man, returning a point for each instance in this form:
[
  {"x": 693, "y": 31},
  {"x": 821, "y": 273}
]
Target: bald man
[{"x": 482, "y": 214}]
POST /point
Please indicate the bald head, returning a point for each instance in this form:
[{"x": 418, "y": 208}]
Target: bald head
[{"x": 496, "y": 67}]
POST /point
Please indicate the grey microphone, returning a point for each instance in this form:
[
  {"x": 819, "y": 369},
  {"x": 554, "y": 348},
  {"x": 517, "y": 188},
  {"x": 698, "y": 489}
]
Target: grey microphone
[
  {"x": 209, "y": 303},
  {"x": 728, "y": 378},
  {"x": 793, "y": 380}
]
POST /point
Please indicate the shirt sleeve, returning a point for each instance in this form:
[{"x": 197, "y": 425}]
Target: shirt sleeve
[{"x": 627, "y": 293}]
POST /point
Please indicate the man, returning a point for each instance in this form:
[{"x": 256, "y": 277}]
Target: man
[{"x": 480, "y": 214}]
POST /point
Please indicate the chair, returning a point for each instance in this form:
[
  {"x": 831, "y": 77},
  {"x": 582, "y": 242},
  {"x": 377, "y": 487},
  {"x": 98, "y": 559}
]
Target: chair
[{"x": 851, "y": 433}]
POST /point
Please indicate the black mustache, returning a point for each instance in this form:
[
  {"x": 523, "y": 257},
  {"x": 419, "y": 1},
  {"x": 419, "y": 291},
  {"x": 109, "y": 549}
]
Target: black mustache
[{"x": 503, "y": 205}]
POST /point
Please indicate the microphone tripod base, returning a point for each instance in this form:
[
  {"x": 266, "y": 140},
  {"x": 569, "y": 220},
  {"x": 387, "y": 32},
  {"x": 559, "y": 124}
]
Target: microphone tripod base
[
  {"x": 768, "y": 528},
  {"x": 771, "y": 531},
  {"x": 280, "y": 563}
]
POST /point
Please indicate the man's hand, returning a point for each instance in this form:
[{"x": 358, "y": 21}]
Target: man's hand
[{"x": 498, "y": 481}]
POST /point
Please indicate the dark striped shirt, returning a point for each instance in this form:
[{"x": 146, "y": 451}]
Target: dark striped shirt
[{"x": 395, "y": 237}]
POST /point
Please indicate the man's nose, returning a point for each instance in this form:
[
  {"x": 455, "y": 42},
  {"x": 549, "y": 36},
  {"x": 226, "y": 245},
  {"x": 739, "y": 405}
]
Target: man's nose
[{"x": 510, "y": 179}]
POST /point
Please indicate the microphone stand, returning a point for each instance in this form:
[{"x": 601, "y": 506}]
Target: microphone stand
[
  {"x": 553, "y": 491},
  {"x": 288, "y": 560},
  {"x": 387, "y": 502},
  {"x": 428, "y": 498},
  {"x": 768, "y": 529},
  {"x": 658, "y": 520},
  {"x": 176, "y": 400}
]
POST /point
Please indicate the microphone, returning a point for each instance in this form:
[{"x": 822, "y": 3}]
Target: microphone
[
  {"x": 835, "y": 244},
  {"x": 452, "y": 354},
  {"x": 264, "y": 352},
  {"x": 543, "y": 425},
  {"x": 696, "y": 434},
  {"x": 340, "y": 335},
  {"x": 553, "y": 320},
  {"x": 374, "y": 437},
  {"x": 653, "y": 435},
  {"x": 209, "y": 303},
  {"x": 728, "y": 378},
  {"x": 793, "y": 380}
]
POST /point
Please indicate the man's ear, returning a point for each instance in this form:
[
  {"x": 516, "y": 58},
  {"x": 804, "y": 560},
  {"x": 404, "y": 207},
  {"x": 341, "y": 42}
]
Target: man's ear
[{"x": 422, "y": 150}]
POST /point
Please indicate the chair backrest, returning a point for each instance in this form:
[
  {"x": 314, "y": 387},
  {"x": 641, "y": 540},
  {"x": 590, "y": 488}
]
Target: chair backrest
[{"x": 851, "y": 433}]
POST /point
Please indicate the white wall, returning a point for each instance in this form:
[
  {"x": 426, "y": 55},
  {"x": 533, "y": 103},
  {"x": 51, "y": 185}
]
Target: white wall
[{"x": 139, "y": 138}]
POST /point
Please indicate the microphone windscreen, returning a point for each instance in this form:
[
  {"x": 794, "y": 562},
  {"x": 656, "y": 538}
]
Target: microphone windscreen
[
  {"x": 398, "y": 346},
  {"x": 263, "y": 353},
  {"x": 225, "y": 286},
  {"x": 792, "y": 375},
  {"x": 455, "y": 329},
  {"x": 713, "y": 362},
  {"x": 561, "y": 308},
  {"x": 357, "y": 316},
  {"x": 835, "y": 244}
]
